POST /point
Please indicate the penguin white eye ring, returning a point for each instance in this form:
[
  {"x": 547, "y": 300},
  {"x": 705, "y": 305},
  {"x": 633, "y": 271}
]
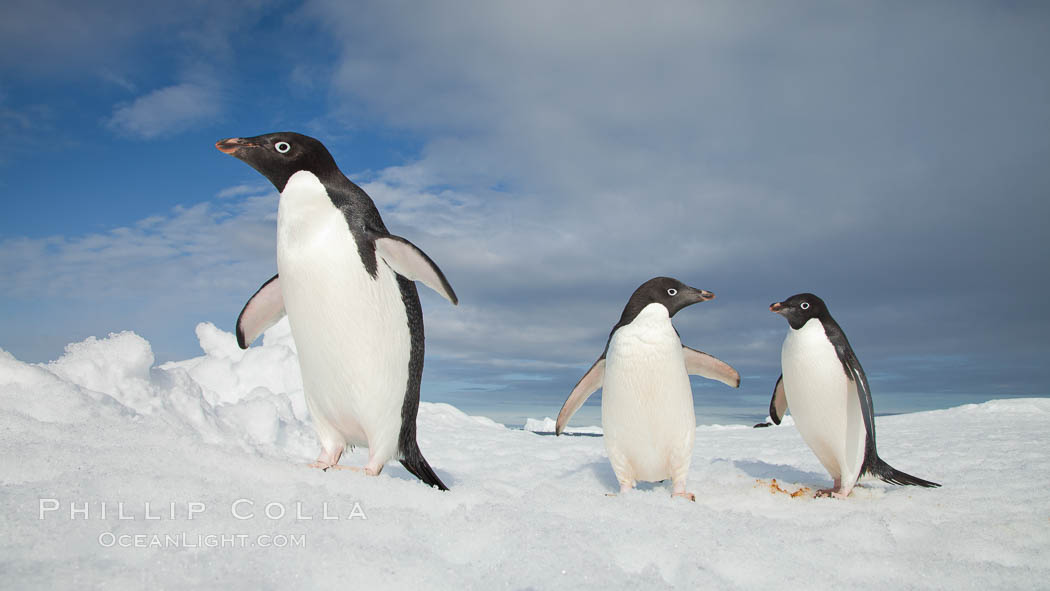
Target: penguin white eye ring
[
  {"x": 282, "y": 147},
  {"x": 672, "y": 292},
  {"x": 804, "y": 305}
]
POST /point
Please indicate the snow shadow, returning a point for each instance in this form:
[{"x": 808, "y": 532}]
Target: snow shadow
[
  {"x": 603, "y": 472},
  {"x": 396, "y": 470},
  {"x": 781, "y": 472}
]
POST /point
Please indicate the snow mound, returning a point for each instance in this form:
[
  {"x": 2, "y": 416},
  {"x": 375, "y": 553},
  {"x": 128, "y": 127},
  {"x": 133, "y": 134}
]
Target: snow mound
[{"x": 547, "y": 425}]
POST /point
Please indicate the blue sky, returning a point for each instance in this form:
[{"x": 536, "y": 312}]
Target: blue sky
[{"x": 550, "y": 157}]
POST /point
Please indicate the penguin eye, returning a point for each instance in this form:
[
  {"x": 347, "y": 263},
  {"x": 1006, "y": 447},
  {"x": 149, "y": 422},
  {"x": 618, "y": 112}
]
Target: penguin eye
[
  {"x": 282, "y": 147},
  {"x": 672, "y": 292},
  {"x": 804, "y": 306}
]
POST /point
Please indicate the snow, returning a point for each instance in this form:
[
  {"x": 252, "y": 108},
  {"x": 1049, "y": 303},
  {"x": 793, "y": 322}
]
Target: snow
[
  {"x": 547, "y": 425},
  {"x": 227, "y": 435}
]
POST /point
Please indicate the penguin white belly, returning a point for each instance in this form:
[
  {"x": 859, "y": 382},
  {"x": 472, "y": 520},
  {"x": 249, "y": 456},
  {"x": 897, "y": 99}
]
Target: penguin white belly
[
  {"x": 823, "y": 401},
  {"x": 647, "y": 403},
  {"x": 350, "y": 330}
]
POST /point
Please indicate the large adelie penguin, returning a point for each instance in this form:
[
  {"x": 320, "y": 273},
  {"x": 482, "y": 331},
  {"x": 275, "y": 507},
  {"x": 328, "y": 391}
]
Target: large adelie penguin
[
  {"x": 827, "y": 391},
  {"x": 647, "y": 403},
  {"x": 347, "y": 286}
]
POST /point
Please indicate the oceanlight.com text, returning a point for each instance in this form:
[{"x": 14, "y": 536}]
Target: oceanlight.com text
[{"x": 108, "y": 539}]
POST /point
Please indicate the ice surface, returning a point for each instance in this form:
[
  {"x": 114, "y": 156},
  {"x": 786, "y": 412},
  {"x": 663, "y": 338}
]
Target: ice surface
[{"x": 229, "y": 432}]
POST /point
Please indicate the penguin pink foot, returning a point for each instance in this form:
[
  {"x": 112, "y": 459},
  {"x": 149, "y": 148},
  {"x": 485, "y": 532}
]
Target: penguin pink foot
[
  {"x": 678, "y": 490},
  {"x": 367, "y": 470},
  {"x": 835, "y": 491},
  {"x": 327, "y": 460},
  {"x": 624, "y": 487},
  {"x": 373, "y": 468}
]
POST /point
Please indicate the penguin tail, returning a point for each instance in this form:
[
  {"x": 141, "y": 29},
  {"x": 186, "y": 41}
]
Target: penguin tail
[
  {"x": 888, "y": 473},
  {"x": 414, "y": 462}
]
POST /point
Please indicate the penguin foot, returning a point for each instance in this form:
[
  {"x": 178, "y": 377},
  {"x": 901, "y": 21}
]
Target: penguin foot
[
  {"x": 368, "y": 471},
  {"x": 328, "y": 459},
  {"x": 361, "y": 469},
  {"x": 837, "y": 490},
  {"x": 831, "y": 492},
  {"x": 325, "y": 466},
  {"x": 684, "y": 495}
]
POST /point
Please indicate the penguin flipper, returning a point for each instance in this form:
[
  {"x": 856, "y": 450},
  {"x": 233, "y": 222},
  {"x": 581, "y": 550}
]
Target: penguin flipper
[
  {"x": 407, "y": 260},
  {"x": 701, "y": 364},
  {"x": 858, "y": 386},
  {"x": 778, "y": 405},
  {"x": 588, "y": 384},
  {"x": 262, "y": 311}
]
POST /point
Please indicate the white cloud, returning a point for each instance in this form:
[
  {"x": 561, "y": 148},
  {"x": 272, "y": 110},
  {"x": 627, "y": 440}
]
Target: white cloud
[
  {"x": 215, "y": 245},
  {"x": 159, "y": 276},
  {"x": 241, "y": 190},
  {"x": 167, "y": 110}
]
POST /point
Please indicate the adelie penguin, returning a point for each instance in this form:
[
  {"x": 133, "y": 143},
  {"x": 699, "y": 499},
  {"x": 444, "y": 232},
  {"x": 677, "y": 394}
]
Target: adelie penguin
[
  {"x": 647, "y": 404},
  {"x": 347, "y": 286},
  {"x": 825, "y": 387}
]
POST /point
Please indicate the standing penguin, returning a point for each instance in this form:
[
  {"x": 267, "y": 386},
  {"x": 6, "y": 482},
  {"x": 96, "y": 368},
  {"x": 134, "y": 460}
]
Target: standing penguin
[
  {"x": 825, "y": 387},
  {"x": 346, "y": 284},
  {"x": 647, "y": 404}
]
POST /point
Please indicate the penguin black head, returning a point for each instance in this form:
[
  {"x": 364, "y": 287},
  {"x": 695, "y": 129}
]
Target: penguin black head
[
  {"x": 799, "y": 309},
  {"x": 280, "y": 155},
  {"x": 671, "y": 293}
]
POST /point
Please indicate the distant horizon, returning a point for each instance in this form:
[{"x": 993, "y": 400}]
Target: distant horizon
[
  {"x": 714, "y": 404},
  {"x": 708, "y": 415}
]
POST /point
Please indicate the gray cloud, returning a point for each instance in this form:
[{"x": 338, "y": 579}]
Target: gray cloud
[
  {"x": 885, "y": 159},
  {"x": 86, "y": 39}
]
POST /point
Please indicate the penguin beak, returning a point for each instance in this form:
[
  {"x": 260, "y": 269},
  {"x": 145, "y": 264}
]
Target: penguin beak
[
  {"x": 700, "y": 295},
  {"x": 233, "y": 144},
  {"x": 777, "y": 307},
  {"x": 687, "y": 296}
]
